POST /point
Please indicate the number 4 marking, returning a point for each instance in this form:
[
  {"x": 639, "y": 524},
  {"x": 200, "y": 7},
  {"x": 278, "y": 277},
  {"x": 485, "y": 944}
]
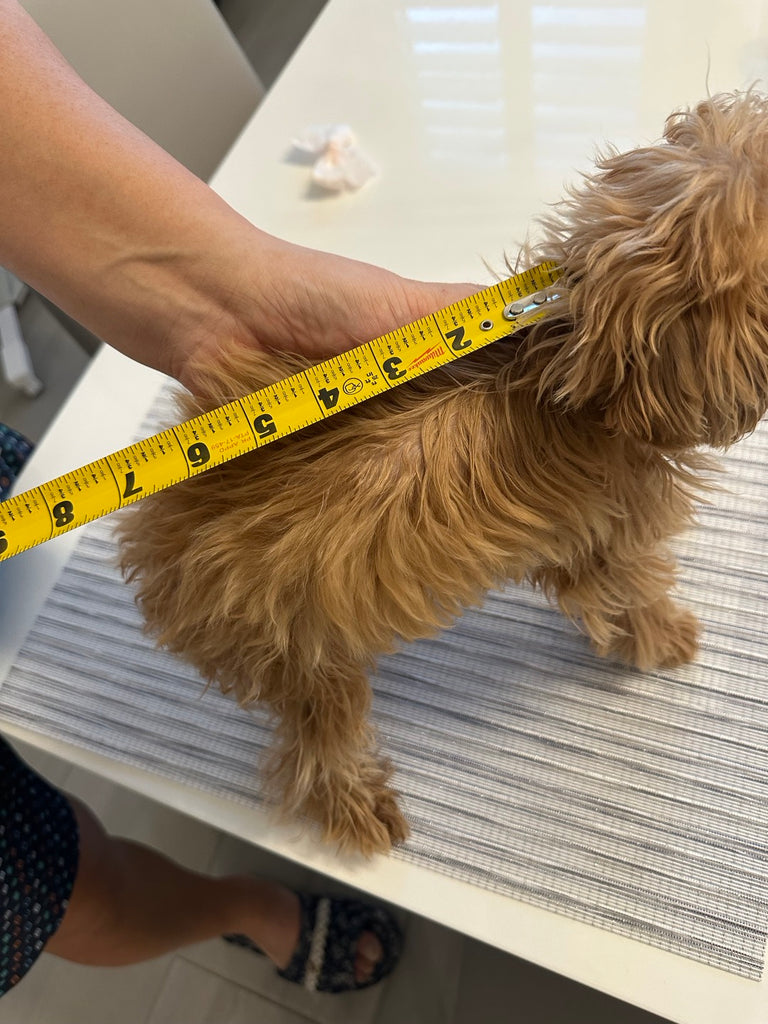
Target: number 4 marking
[{"x": 329, "y": 398}]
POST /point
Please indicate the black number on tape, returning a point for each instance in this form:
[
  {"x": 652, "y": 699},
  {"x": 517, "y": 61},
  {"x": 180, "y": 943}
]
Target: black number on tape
[
  {"x": 130, "y": 485},
  {"x": 3, "y": 542},
  {"x": 391, "y": 368},
  {"x": 328, "y": 398},
  {"x": 63, "y": 513},
  {"x": 264, "y": 425},
  {"x": 458, "y": 341},
  {"x": 198, "y": 454}
]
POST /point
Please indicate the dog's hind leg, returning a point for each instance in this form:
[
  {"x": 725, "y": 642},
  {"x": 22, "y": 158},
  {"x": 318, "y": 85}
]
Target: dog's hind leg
[
  {"x": 625, "y": 606},
  {"x": 326, "y": 766}
]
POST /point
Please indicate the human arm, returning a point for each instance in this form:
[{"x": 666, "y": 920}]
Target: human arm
[{"x": 123, "y": 238}]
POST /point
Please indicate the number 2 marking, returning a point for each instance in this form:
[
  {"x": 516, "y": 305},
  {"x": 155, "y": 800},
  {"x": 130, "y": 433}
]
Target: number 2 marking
[{"x": 458, "y": 341}]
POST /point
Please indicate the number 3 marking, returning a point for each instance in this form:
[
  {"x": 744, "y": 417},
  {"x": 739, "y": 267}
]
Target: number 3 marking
[{"x": 392, "y": 368}]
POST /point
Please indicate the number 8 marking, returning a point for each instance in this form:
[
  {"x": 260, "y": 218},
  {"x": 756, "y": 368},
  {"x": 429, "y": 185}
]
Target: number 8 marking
[{"x": 63, "y": 513}]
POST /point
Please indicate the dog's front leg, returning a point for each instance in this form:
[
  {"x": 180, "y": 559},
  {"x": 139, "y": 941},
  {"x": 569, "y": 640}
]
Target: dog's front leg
[
  {"x": 326, "y": 766},
  {"x": 625, "y": 606}
]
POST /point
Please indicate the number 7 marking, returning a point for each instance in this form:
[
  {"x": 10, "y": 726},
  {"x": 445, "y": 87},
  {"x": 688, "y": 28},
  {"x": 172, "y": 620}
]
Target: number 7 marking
[{"x": 130, "y": 489}]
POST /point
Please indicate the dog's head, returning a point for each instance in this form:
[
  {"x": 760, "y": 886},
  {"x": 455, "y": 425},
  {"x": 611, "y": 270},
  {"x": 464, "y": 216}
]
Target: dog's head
[{"x": 665, "y": 258}]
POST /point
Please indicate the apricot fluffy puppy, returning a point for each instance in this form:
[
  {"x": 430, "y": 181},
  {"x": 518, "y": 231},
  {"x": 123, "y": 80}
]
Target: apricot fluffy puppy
[{"x": 567, "y": 456}]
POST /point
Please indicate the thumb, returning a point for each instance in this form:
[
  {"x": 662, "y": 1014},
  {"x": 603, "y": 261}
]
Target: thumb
[{"x": 428, "y": 297}]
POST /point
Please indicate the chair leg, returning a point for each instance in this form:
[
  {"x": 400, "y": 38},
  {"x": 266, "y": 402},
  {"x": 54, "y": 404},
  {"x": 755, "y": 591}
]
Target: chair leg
[{"x": 14, "y": 355}]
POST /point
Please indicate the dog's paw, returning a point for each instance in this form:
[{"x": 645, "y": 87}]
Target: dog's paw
[
  {"x": 680, "y": 642},
  {"x": 387, "y": 811},
  {"x": 356, "y": 809},
  {"x": 366, "y": 822},
  {"x": 662, "y": 635}
]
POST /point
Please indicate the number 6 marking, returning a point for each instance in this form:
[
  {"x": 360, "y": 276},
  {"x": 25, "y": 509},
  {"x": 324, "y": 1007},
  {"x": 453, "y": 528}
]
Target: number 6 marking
[{"x": 198, "y": 454}]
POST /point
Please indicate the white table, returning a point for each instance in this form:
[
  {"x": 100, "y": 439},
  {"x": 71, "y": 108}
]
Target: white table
[{"x": 476, "y": 113}]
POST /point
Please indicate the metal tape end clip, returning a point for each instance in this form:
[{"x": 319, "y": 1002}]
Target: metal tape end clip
[{"x": 520, "y": 309}]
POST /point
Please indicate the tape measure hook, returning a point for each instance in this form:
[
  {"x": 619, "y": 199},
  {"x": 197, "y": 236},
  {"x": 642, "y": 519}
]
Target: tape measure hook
[{"x": 518, "y": 310}]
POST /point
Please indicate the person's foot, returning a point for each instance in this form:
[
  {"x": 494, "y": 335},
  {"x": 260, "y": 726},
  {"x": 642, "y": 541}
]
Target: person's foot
[
  {"x": 309, "y": 939},
  {"x": 285, "y": 928}
]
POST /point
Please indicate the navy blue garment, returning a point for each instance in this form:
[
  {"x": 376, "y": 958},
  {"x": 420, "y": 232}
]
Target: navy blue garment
[
  {"x": 15, "y": 449},
  {"x": 38, "y": 863}
]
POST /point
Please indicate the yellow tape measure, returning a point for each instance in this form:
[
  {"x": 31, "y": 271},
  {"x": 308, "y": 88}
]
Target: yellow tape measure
[{"x": 199, "y": 444}]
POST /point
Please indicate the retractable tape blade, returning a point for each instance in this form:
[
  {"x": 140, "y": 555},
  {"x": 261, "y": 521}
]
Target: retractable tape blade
[{"x": 322, "y": 390}]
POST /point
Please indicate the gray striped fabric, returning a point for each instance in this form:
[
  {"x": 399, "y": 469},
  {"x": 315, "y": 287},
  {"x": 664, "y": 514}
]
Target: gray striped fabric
[{"x": 636, "y": 802}]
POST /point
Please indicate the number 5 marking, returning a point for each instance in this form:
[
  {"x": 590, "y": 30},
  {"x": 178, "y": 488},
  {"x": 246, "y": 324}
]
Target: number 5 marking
[{"x": 264, "y": 425}]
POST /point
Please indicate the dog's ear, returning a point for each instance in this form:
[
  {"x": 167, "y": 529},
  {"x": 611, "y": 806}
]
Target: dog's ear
[{"x": 665, "y": 258}]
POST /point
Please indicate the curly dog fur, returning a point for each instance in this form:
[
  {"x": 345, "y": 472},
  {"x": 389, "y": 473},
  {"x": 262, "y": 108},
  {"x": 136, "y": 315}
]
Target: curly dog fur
[{"x": 567, "y": 456}]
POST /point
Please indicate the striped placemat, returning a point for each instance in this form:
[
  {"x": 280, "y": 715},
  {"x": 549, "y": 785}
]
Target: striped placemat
[{"x": 636, "y": 802}]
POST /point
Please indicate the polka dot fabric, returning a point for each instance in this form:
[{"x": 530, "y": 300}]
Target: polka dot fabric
[
  {"x": 38, "y": 863},
  {"x": 14, "y": 452}
]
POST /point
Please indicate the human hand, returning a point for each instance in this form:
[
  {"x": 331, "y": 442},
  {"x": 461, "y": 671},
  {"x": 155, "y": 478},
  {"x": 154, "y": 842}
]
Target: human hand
[
  {"x": 145, "y": 255},
  {"x": 315, "y": 304}
]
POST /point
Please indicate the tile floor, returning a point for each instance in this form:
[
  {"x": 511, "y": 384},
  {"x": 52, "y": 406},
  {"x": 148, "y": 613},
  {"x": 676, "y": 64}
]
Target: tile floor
[
  {"x": 443, "y": 977},
  {"x": 269, "y": 30}
]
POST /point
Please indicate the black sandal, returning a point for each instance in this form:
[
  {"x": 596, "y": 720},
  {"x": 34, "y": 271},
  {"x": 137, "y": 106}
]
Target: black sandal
[{"x": 324, "y": 960}]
